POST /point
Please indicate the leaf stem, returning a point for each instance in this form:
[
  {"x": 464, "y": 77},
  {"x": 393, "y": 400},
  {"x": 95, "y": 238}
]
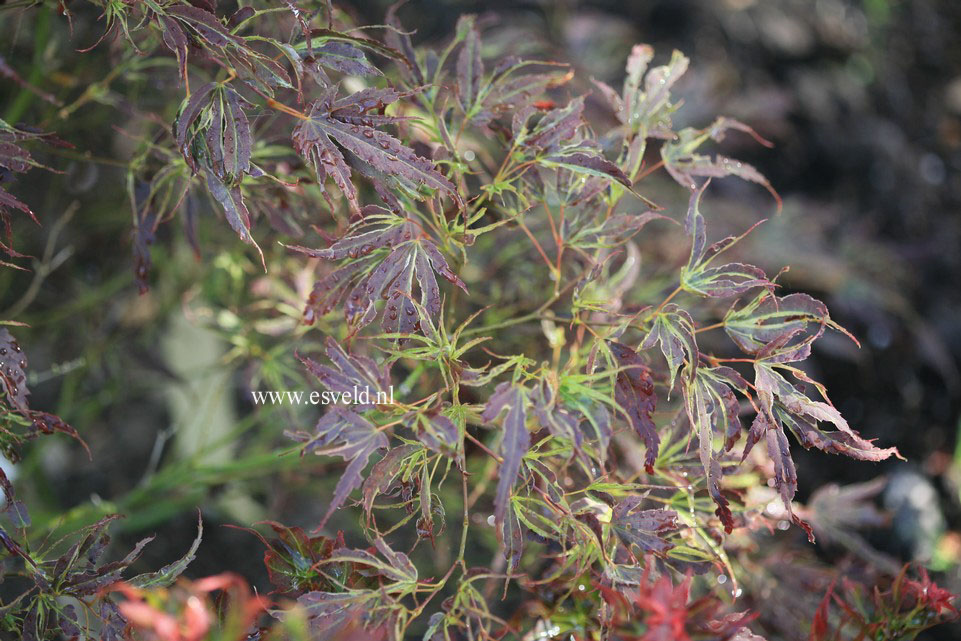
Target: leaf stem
[{"x": 717, "y": 325}]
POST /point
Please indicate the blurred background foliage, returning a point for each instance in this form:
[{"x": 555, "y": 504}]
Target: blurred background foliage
[{"x": 862, "y": 99}]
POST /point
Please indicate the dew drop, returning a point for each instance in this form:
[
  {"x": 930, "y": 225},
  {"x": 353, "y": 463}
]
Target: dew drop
[{"x": 490, "y": 520}]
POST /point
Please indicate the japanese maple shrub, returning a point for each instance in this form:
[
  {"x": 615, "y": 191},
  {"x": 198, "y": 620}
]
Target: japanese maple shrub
[{"x": 607, "y": 428}]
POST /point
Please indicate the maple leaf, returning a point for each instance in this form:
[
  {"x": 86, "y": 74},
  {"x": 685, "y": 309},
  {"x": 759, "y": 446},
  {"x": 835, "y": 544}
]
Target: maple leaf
[
  {"x": 699, "y": 276},
  {"x": 351, "y": 374},
  {"x": 614, "y": 231},
  {"x": 684, "y": 163},
  {"x": 383, "y": 475},
  {"x": 398, "y": 39},
  {"x": 342, "y": 615},
  {"x": 511, "y": 398},
  {"x": 784, "y": 408},
  {"x": 13, "y": 377},
  {"x": 485, "y": 96},
  {"x": 553, "y": 415},
  {"x": 777, "y": 329},
  {"x": 647, "y": 109},
  {"x": 788, "y": 406},
  {"x": 172, "y": 571},
  {"x": 712, "y": 409},
  {"x": 214, "y": 137},
  {"x": 387, "y": 255},
  {"x": 584, "y": 160},
  {"x": 77, "y": 573},
  {"x": 153, "y": 202},
  {"x": 554, "y": 127},
  {"x": 397, "y": 569},
  {"x": 349, "y": 123},
  {"x": 470, "y": 66},
  {"x": 293, "y": 560},
  {"x": 555, "y": 142},
  {"x": 673, "y": 330},
  {"x": 333, "y": 50},
  {"x": 14, "y": 391},
  {"x": 643, "y": 528},
  {"x": 187, "y": 28},
  {"x": 437, "y": 432},
  {"x": 348, "y": 435},
  {"x": 15, "y": 159},
  {"x": 634, "y": 394},
  {"x": 930, "y": 595}
]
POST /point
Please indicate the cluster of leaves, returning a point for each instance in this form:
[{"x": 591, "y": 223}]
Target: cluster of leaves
[
  {"x": 67, "y": 583},
  {"x": 579, "y": 448},
  {"x": 901, "y": 610}
]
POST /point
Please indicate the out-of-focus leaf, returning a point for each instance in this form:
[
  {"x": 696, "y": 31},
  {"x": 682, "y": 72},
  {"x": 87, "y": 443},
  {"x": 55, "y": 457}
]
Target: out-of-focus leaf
[
  {"x": 398, "y": 39},
  {"x": 470, "y": 67},
  {"x": 512, "y": 533},
  {"x": 614, "y": 231}
]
